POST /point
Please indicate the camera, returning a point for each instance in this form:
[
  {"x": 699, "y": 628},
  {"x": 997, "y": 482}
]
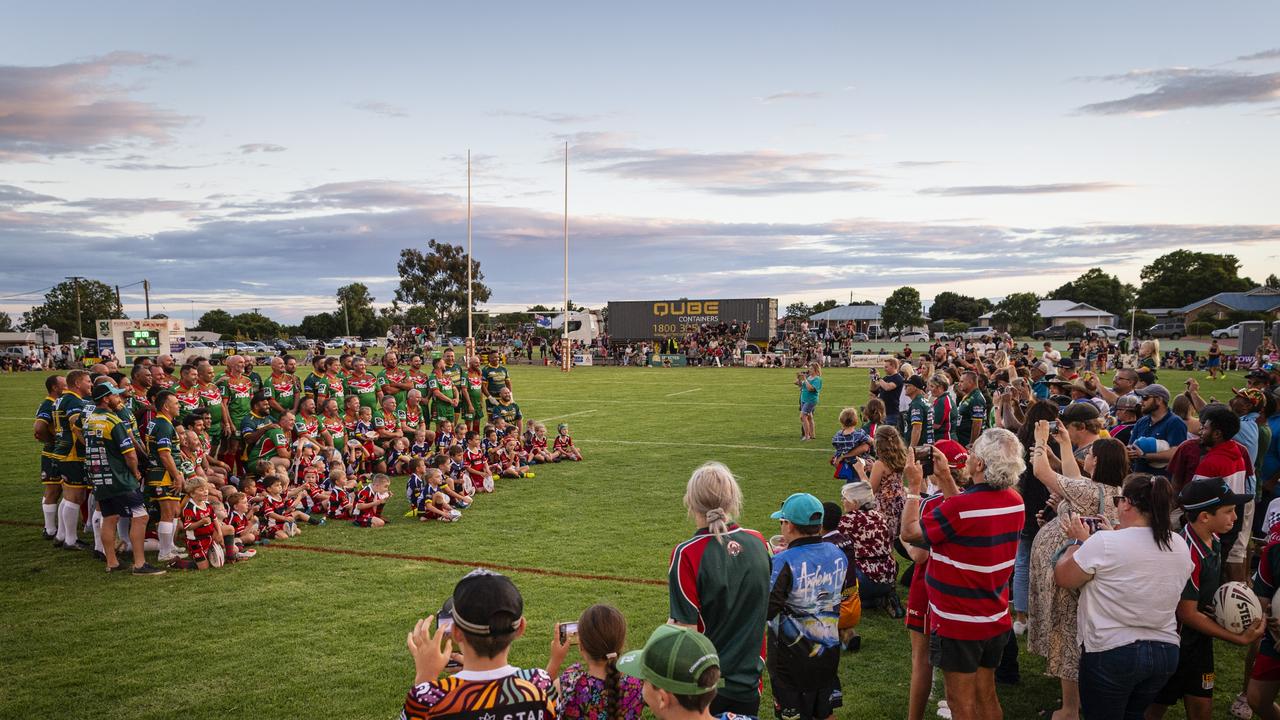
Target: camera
[
  {"x": 568, "y": 632},
  {"x": 1053, "y": 427}
]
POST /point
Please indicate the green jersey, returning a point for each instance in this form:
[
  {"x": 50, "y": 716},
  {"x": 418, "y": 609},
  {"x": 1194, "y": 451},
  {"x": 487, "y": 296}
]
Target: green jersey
[
  {"x": 68, "y": 414},
  {"x": 397, "y": 375},
  {"x": 211, "y": 400},
  {"x": 107, "y": 441},
  {"x": 364, "y": 387},
  {"x": 237, "y": 394},
  {"x": 495, "y": 376},
  {"x": 509, "y": 412},
  {"x": 440, "y": 409},
  {"x": 161, "y": 438},
  {"x": 45, "y": 412},
  {"x": 268, "y": 446},
  {"x": 920, "y": 411},
  {"x": 973, "y": 407},
  {"x": 286, "y": 391}
]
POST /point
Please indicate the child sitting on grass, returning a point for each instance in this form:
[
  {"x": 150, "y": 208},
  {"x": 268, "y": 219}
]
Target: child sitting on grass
[
  {"x": 416, "y": 491},
  {"x": 439, "y": 509},
  {"x": 367, "y": 511},
  {"x": 200, "y": 525},
  {"x": 537, "y": 445},
  {"x": 456, "y": 486},
  {"x": 444, "y": 438},
  {"x": 422, "y": 447},
  {"x": 341, "y": 487},
  {"x": 490, "y": 443},
  {"x": 478, "y": 470},
  {"x": 244, "y": 525},
  {"x": 278, "y": 510},
  {"x": 398, "y": 457},
  {"x": 509, "y": 463},
  {"x": 564, "y": 447}
]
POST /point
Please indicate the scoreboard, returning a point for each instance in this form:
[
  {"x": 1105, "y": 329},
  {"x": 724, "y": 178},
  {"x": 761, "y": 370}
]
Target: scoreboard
[{"x": 652, "y": 319}]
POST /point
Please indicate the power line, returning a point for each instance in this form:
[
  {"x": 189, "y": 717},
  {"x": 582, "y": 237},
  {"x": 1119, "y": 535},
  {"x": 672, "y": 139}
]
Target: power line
[{"x": 33, "y": 292}]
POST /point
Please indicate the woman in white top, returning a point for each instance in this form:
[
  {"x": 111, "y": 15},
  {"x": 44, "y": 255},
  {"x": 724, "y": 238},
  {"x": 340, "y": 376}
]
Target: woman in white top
[{"x": 1130, "y": 581}]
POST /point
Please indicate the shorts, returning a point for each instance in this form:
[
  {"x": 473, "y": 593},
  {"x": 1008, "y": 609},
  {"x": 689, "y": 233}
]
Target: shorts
[
  {"x": 1236, "y": 553},
  {"x": 50, "y": 473},
  {"x": 156, "y": 493},
  {"x": 472, "y": 415},
  {"x": 966, "y": 656},
  {"x": 129, "y": 504},
  {"x": 1214, "y": 362},
  {"x": 792, "y": 704},
  {"x": 1266, "y": 668},
  {"x": 198, "y": 548},
  {"x": 73, "y": 474},
  {"x": 806, "y": 408},
  {"x": 918, "y": 604},
  {"x": 1194, "y": 675},
  {"x": 445, "y": 412},
  {"x": 364, "y": 521},
  {"x": 746, "y": 708}
]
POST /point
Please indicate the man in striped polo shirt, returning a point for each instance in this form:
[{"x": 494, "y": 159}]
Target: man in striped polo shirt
[{"x": 972, "y": 539}]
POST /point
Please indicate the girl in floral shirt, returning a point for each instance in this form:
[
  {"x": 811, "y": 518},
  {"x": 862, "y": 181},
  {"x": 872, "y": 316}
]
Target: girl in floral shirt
[{"x": 594, "y": 690}]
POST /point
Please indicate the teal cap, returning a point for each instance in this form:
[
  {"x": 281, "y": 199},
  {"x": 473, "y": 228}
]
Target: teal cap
[{"x": 800, "y": 509}]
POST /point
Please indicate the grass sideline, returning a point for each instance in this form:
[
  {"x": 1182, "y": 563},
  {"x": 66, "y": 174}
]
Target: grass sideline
[{"x": 315, "y": 629}]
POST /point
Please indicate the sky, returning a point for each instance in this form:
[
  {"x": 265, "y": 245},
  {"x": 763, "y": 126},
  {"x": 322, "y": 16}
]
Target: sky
[{"x": 261, "y": 155}]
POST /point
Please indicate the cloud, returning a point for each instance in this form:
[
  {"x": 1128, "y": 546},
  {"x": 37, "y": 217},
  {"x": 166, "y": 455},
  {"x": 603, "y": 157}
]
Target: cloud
[
  {"x": 923, "y": 163},
  {"x": 12, "y": 196},
  {"x": 379, "y": 107},
  {"x": 793, "y": 95},
  {"x": 1182, "y": 88},
  {"x": 261, "y": 148},
  {"x": 1272, "y": 54},
  {"x": 328, "y": 234},
  {"x": 744, "y": 173},
  {"x": 549, "y": 117},
  {"x": 135, "y": 166},
  {"x": 53, "y": 110},
  {"x": 1045, "y": 189},
  {"x": 130, "y": 206}
]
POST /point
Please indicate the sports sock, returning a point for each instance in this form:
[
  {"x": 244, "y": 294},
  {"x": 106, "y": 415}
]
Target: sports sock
[
  {"x": 164, "y": 533},
  {"x": 122, "y": 531},
  {"x": 50, "y": 517},
  {"x": 68, "y": 521},
  {"x": 90, "y": 507},
  {"x": 95, "y": 523}
]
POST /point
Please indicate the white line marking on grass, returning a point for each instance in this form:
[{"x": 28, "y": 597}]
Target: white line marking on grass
[
  {"x": 682, "y": 392},
  {"x": 709, "y": 445},
  {"x": 595, "y": 401},
  {"x": 557, "y": 417}
]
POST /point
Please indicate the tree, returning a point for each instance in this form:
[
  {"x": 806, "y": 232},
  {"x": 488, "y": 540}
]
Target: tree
[
  {"x": 436, "y": 281},
  {"x": 355, "y": 310},
  {"x": 6, "y": 322},
  {"x": 216, "y": 321},
  {"x": 255, "y": 326},
  {"x": 97, "y": 302},
  {"x": 1019, "y": 313},
  {"x": 1182, "y": 277},
  {"x": 1098, "y": 289},
  {"x": 1273, "y": 282},
  {"x": 160, "y": 316},
  {"x": 954, "y": 306},
  {"x": 799, "y": 309},
  {"x": 824, "y": 306},
  {"x": 321, "y": 326},
  {"x": 902, "y": 310}
]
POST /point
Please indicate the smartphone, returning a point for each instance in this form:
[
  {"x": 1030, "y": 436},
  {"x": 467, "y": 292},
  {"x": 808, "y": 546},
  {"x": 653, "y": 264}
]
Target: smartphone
[
  {"x": 1093, "y": 522},
  {"x": 1053, "y": 427},
  {"x": 569, "y": 633},
  {"x": 445, "y": 623},
  {"x": 924, "y": 456}
]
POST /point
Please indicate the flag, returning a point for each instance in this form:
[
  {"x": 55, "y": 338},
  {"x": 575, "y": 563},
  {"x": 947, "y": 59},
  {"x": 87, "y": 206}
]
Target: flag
[{"x": 542, "y": 321}]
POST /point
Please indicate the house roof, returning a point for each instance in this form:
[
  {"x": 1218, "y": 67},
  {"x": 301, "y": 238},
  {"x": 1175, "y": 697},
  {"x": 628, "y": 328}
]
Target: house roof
[
  {"x": 1063, "y": 309},
  {"x": 1259, "y": 299},
  {"x": 850, "y": 312}
]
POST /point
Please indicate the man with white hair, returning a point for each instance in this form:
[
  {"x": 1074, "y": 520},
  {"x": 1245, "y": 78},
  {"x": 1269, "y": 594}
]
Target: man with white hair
[{"x": 972, "y": 539}]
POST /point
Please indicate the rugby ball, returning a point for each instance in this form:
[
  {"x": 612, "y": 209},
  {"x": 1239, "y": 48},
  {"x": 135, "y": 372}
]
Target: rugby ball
[
  {"x": 217, "y": 556},
  {"x": 1235, "y": 607}
]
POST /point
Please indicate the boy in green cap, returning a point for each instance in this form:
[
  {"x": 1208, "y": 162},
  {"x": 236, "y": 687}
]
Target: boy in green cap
[{"x": 680, "y": 670}]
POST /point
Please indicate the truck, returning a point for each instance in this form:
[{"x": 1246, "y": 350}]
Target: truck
[{"x": 633, "y": 320}]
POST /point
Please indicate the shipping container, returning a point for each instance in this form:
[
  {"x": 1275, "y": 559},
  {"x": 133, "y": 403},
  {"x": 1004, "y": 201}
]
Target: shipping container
[{"x": 652, "y": 319}]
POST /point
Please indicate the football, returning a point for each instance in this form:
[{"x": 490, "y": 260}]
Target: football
[{"x": 1235, "y": 607}]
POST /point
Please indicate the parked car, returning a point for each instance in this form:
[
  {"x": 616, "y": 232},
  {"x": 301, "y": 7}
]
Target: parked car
[
  {"x": 1226, "y": 332},
  {"x": 244, "y": 347},
  {"x": 911, "y": 336},
  {"x": 1109, "y": 332},
  {"x": 1057, "y": 332},
  {"x": 978, "y": 331},
  {"x": 282, "y": 345},
  {"x": 875, "y": 331},
  {"x": 1173, "y": 331},
  {"x": 859, "y": 337},
  {"x": 300, "y": 342}
]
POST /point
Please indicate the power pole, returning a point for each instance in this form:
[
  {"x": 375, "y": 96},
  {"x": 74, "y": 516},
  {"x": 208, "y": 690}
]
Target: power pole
[
  {"x": 146, "y": 292},
  {"x": 119, "y": 306},
  {"x": 79, "y": 323}
]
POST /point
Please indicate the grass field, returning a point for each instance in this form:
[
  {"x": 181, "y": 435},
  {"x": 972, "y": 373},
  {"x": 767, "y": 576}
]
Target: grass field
[{"x": 314, "y": 630}]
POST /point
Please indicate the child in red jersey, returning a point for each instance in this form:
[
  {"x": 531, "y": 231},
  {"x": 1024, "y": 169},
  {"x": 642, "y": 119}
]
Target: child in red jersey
[
  {"x": 370, "y": 501},
  {"x": 201, "y": 526},
  {"x": 244, "y": 526},
  {"x": 510, "y": 461},
  {"x": 342, "y": 498},
  {"x": 564, "y": 449},
  {"x": 277, "y": 510},
  {"x": 478, "y": 470},
  {"x": 537, "y": 445}
]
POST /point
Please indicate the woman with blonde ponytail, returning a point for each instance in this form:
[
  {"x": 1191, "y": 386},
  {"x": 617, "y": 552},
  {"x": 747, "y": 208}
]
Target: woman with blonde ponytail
[
  {"x": 594, "y": 689},
  {"x": 718, "y": 584}
]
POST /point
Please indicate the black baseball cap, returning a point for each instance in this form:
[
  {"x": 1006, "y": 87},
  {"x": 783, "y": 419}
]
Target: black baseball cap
[
  {"x": 1080, "y": 412},
  {"x": 259, "y": 397},
  {"x": 1067, "y": 363},
  {"x": 916, "y": 381},
  {"x": 1209, "y": 494},
  {"x": 486, "y": 604}
]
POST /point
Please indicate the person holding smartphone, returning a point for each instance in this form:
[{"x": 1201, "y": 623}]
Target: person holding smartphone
[{"x": 1084, "y": 490}]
